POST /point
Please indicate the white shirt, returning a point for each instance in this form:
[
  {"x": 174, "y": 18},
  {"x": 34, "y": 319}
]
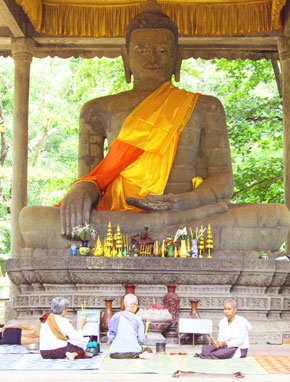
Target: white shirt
[
  {"x": 48, "y": 341},
  {"x": 235, "y": 334}
]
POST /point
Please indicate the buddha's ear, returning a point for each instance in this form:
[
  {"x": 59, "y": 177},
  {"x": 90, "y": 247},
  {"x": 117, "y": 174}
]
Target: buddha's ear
[
  {"x": 178, "y": 63},
  {"x": 125, "y": 57}
]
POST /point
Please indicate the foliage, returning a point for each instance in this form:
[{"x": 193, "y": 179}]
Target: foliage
[{"x": 59, "y": 88}]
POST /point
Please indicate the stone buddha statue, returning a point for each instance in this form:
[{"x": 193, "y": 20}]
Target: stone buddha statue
[{"x": 160, "y": 138}]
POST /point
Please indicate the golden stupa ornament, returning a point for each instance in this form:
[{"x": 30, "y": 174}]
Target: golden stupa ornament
[
  {"x": 108, "y": 247},
  {"x": 98, "y": 250},
  {"x": 119, "y": 243},
  {"x": 209, "y": 242}
]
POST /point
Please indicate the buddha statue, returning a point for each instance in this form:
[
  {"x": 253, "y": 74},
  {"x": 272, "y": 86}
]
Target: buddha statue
[
  {"x": 142, "y": 240},
  {"x": 160, "y": 138}
]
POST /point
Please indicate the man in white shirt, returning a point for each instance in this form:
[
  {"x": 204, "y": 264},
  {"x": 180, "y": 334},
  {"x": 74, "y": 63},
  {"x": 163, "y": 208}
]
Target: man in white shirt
[{"x": 233, "y": 338}]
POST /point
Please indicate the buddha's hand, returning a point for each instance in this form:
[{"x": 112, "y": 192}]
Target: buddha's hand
[
  {"x": 76, "y": 206},
  {"x": 155, "y": 202}
]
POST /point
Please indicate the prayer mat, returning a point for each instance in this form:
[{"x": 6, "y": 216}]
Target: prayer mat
[
  {"x": 274, "y": 364},
  {"x": 15, "y": 349},
  {"x": 168, "y": 364},
  {"x": 36, "y": 362}
]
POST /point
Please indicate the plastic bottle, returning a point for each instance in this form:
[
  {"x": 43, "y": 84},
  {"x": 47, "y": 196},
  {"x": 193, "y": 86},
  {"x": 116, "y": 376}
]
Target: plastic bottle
[{"x": 73, "y": 249}]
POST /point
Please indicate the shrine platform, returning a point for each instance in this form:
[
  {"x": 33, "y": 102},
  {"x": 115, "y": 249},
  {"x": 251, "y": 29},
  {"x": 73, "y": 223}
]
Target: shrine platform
[{"x": 260, "y": 287}]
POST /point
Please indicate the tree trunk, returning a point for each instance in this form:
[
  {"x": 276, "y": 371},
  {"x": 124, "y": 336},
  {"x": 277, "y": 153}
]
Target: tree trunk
[{"x": 278, "y": 76}]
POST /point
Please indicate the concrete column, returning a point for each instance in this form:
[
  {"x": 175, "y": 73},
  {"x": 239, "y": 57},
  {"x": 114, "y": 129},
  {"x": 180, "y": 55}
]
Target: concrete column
[
  {"x": 284, "y": 53},
  {"x": 22, "y": 49}
]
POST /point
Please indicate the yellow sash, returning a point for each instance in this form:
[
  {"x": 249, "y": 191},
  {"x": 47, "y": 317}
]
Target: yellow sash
[
  {"x": 54, "y": 328},
  {"x": 154, "y": 126}
]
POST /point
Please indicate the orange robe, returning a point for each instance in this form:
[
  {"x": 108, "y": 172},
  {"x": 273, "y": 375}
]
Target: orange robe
[{"x": 139, "y": 161}]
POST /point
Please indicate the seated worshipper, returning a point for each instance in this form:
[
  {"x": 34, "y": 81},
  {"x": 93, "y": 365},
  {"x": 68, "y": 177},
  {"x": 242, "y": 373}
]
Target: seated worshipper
[
  {"x": 233, "y": 338},
  {"x": 19, "y": 334},
  {"x": 126, "y": 332},
  {"x": 58, "y": 338}
]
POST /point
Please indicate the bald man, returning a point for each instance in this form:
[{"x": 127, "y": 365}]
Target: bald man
[{"x": 233, "y": 337}]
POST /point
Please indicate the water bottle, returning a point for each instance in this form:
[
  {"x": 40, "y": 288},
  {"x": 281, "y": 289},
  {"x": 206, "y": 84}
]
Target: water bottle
[{"x": 73, "y": 249}]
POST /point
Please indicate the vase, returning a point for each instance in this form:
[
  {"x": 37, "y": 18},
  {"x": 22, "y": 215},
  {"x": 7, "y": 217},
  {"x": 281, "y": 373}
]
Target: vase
[
  {"x": 171, "y": 302},
  {"x": 84, "y": 248},
  {"x": 183, "y": 249},
  {"x": 129, "y": 289},
  {"x": 194, "y": 249},
  {"x": 194, "y": 310},
  {"x": 170, "y": 252},
  {"x": 108, "y": 314}
]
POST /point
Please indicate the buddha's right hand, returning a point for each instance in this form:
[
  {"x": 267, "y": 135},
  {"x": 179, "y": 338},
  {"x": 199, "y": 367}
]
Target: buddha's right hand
[{"x": 76, "y": 206}]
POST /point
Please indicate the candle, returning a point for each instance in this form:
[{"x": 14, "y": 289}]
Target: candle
[
  {"x": 212, "y": 338},
  {"x": 147, "y": 326}
]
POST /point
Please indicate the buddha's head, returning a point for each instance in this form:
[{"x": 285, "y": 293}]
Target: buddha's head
[{"x": 151, "y": 52}]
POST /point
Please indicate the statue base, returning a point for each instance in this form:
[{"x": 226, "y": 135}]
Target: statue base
[{"x": 260, "y": 287}]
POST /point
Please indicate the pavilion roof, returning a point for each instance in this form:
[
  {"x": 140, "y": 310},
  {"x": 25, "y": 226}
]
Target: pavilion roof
[
  {"x": 108, "y": 18},
  {"x": 89, "y": 28}
]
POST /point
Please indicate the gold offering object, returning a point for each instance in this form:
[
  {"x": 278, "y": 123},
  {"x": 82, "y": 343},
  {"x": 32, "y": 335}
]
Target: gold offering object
[
  {"x": 175, "y": 251},
  {"x": 209, "y": 242},
  {"x": 156, "y": 248},
  {"x": 108, "y": 247},
  {"x": 119, "y": 243},
  {"x": 163, "y": 248},
  {"x": 98, "y": 250},
  {"x": 200, "y": 245}
]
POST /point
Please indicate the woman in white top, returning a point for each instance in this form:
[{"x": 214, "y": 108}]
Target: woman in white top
[{"x": 58, "y": 338}]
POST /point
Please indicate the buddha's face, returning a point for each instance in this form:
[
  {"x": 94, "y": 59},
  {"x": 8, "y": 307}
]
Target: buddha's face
[{"x": 152, "y": 55}]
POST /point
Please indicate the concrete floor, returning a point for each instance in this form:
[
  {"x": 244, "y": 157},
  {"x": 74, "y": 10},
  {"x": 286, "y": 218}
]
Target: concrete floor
[{"x": 90, "y": 375}]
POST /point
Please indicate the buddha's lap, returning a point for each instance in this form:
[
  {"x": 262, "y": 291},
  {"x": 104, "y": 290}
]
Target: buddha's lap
[{"x": 244, "y": 227}]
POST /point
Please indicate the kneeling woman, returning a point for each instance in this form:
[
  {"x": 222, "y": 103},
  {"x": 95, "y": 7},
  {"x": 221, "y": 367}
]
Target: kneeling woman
[
  {"x": 126, "y": 332},
  {"x": 58, "y": 338}
]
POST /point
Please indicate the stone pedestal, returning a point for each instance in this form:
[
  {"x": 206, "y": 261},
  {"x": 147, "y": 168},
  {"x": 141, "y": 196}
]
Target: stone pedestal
[{"x": 260, "y": 287}]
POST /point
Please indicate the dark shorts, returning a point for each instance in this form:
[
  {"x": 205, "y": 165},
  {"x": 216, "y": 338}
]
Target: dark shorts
[{"x": 11, "y": 336}]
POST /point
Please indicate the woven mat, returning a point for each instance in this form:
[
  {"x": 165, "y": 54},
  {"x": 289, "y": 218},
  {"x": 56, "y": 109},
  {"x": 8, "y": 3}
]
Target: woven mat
[
  {"x": 36, "y": 362},
  {"x": 274, "y": 364},
  {"x": 169, "y": 364}
]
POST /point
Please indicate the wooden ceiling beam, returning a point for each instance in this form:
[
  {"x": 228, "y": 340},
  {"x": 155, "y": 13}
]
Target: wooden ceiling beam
[
  {"x": 14, "y": 18},
  {"x": 286, "y": 17}
]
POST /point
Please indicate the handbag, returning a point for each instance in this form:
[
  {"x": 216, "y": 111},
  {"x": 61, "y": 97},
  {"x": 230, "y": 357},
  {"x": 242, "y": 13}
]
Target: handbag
[{"x": 93, "y": 347}]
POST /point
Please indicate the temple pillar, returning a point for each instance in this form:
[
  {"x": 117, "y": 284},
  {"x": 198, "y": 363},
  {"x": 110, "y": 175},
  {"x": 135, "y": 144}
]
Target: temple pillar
[
  {"x": 22, "y": 49},
  {"x": 284, "y": 53}
]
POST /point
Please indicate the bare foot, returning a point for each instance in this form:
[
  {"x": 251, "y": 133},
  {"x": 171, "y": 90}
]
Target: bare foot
[
  {"x": 146, "y": 355},
  {"x": 70, "y": 356}
]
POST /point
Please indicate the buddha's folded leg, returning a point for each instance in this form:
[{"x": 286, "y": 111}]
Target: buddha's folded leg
[{"x": 241, "y": 227}]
